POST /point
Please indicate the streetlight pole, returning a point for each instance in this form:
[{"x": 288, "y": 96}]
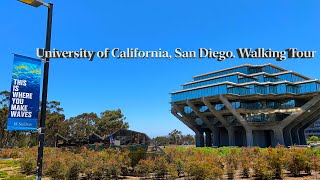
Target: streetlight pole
[
  {"x": 44, "y": 95},
  {"x": 37, "y": 3}
]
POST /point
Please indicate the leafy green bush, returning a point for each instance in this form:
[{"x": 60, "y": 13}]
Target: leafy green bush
[
  {"x": 178, "y": 156},
  {"x": 246, "y": 160},
  {"x": 204, "y": 165},
  {"x": 297, "y": 160},
  {"x": 231, "y": 162},
  {"x": 10, "y": 153},
  {"x": 314, "y": 138},
  {"x": 262, "y": 168},
  {"x": 314, "y": 162},
  {"x": 56, "y": 170},
  {"x": 160, "y": 166},
  {"x": 69, "y": 164},
  {"x": 105, "y": 164},
  {"x": 144, "y": 167},
  {"x": 28, "y": 165},
  {"x": 3, "y": 174},
  {"x": 276, "y": 160},
  {"x": 197, "y": 163},
  {"x": 73, "y": 172}
]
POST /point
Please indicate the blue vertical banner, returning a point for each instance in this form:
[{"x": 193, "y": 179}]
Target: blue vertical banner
[{"x": 25, "y": 94}]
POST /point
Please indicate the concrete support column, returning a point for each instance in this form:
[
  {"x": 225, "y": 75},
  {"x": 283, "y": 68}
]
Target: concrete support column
[
  {"x": 199, "y": 139},
  {"x": 302, "y": 136},
  {"x": 278, "y": 136},
  {"x": 208, "y": 138},
  {"x": 216, "y": 137},
  {"x": 231, "y": 135},
  {"x": 305, "y": 124},
  {"x": 188, "y": 121},
  {"x": 249, "y": 137},
  {"x": 295, "y": 135},
  {"x": 299, "y": 117},
  {"x": 287, "y": 136},
  {"x": 241, "y": 120}
]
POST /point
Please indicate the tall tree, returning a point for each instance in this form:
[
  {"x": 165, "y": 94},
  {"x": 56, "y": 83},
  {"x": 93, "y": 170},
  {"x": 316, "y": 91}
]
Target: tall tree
[
  {"x": 55, "y": 122},
  {"x": 188, "y": 140},
  {"x": 83, "y": 125},
  {"x": 161, "y": 140},
  {"x": 110, "y": 121},
  {"x": 7, "y": 138},
  {"x": 4, "y": 101},
  {"x": 53, "y": 106},
  {"x": 4, "y": 110},
  {"x": 175, "y": 137},
  {"x": 79, "y": 126},
  {"x": 4, "y": 98}
]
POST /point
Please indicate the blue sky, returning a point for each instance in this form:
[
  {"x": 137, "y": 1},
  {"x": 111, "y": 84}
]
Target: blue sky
[{"x": 141, "y": 87}]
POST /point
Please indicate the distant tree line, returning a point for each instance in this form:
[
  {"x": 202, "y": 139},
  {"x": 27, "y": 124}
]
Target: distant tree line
[
  {"x": 80, "y": 126},
  {"x": 175, "y": 138}
]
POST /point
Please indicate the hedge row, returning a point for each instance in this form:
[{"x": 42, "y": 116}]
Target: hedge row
[
  {"x": 195, "y": 163},
  {"x": 63, "y": 164},
  {"x": 262, "y": 163}
]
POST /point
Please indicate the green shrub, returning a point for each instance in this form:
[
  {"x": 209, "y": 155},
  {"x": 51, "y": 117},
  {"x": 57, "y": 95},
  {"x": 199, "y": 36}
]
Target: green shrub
[
  {"x": 314, "y": 138},
  {"x": 178, "y": 156},
  {"x": 73, "y": 172},
  {"x": 276, "y": 160},
  {"x": 261, "y": 168},
  {"x": 203, "y": 165},
  {"x": 246, "y": 159},
  {"x": 56, "y": 170},
  {"x": 315, "y": 162},
  {"x": 3, "y": 174},
  {"x": 179, "y": 166},
  {"x": 10, "y": 153},
  {"x": 172, "y": 172},
  {"x": 231, "y": 162},
  {"x": 108, "y": 163},
  {"x": 297, "y": 161},
  {"x": 197, "y": 163},
  {"x": 28, "y": 165},
  {"x": 144, "y": 167},
  {"x": 160, "y": 166}
]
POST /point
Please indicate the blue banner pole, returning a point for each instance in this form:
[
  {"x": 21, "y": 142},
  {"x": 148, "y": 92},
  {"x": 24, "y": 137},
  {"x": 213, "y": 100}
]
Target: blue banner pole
[
  {"x": 25, "y": 94},
  {"x": 44, "y": 95}
]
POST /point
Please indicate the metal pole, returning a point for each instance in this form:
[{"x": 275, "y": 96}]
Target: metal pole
[{"x": 44, "y": 95}]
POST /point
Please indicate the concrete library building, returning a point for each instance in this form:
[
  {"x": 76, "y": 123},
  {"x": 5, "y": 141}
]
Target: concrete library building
[{"x": 248, "y": 105}]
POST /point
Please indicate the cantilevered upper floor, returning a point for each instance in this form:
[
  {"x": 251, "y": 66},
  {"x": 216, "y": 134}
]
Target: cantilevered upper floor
[{"x": 247, "y": 80}]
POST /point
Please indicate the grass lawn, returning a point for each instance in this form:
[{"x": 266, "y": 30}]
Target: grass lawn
[{"x": 10, "y": 170}]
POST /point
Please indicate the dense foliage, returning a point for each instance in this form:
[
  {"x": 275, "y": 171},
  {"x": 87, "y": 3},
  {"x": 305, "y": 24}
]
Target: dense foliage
[
  {"x": 63, "y": 164},
  {"x": 313, "y": 138},
  {"x": 175, "y": 137},
  {"x": 80, "y": 126},
  {"x": 190, "y": 163},
  {"x": 262, "y": 163}
]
